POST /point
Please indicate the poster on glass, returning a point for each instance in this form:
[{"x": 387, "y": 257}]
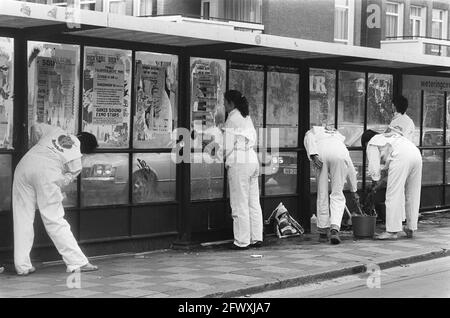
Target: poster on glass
[
  {"x": 106, "y": 96},
  {"x": 156, "y": 86},
  {"x": 6, "y": 92},
  {"x": 53, "y": 85}
]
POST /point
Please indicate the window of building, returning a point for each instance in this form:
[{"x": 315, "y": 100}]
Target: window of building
[
  {"x": 144, "y": 7},
  {"x": 116, "y": 6},
  {"x": 343, "y": 21},
  {"x": 84, "y": 4},
  {"x": 205, "y": 10},
  {"x": 244, "y": 10},
  {"x": 394, "y": 20},
  {"x": 417, "y": 21},
  {"x": 439, "y": 25}
]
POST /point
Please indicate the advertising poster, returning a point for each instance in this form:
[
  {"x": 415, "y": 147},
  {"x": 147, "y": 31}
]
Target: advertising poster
[
  {"x": 106, "y": 96},
  {"x": 53, "y": 83},
  {"x": 207, "y": 100},
  {"x": 6, "y": 92},
  {"x": 156, "y": 88}
]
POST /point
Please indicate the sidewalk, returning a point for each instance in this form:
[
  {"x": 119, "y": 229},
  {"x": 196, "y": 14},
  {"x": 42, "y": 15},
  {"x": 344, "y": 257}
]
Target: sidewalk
[{"x": 217, "y": 272}]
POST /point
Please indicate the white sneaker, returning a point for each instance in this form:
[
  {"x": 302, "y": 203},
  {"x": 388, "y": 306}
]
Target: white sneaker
[
  {"x": 386, "y": 236},
  {"x": 2, "y": 269},
  {"x": 28, "y": 272}
]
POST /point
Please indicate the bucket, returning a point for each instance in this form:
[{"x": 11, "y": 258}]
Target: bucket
[{"x": 363, "y": 225}]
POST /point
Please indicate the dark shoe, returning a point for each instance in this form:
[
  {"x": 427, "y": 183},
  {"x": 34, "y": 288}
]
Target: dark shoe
[
  {"x": 323, "y": 238},
  {"x": 232, "y": 246},
  {"x": 409, "y": 233},
  {"x": 256, "y": 244},
  {"x": 334, "y": 237}
]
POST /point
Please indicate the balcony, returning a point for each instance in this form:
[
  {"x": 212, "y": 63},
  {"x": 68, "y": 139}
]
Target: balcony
[
  {"x": 225, "y": 23},
  {"x": 417, "y": 45}
]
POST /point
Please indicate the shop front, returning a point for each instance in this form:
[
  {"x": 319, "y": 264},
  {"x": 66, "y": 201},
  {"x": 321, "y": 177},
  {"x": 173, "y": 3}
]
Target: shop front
[{"x": 135, "y": 90}]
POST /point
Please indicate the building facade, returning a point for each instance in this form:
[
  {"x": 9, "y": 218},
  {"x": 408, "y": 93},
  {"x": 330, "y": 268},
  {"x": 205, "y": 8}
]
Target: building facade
[{"x": 131, "y": 194}]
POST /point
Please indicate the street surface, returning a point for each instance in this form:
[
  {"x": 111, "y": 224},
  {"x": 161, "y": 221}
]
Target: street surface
[{"x": 419, "y": 280}]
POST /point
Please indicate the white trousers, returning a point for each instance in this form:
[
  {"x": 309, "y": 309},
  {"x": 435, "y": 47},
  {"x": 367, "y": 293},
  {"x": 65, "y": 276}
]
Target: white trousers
[
  {"x": 403, "y": 188},
  {"x": 245, "y": 205},
  {"x": 330, "y": 209},
  {"x": 36, "y": 185}
]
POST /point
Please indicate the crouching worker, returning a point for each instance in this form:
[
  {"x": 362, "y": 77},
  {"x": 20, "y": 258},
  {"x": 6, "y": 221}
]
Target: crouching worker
[
  {"x": 326, "y": 149},
  {"x": 53, "y": 162},
  {"x": 401, "y": 159}
]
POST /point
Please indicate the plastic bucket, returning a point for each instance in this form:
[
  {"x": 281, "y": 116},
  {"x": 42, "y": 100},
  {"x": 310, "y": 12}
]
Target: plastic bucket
[{"x": 363, "y": 225}]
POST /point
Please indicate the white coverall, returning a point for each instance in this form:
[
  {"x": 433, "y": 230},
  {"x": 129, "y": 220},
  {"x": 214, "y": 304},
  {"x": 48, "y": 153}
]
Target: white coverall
[
  {"x": 243, "y": 171},
  {"x": 50, "y": 164},
  {"x": 329, "y": 145},
  {"x": 403, "y": 161},
  {"x": 404, "y": 124}
]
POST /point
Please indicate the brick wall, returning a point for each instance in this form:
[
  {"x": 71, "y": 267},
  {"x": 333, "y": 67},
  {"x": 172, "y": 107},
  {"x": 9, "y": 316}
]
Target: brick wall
[{"x": 306, "y": 19}]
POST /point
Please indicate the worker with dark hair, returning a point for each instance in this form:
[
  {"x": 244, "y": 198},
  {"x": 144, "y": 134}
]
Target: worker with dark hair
[
  {"x": 243, "y": 170},
  {"x": 401, "y": 121},
  {"x": 53, "y": 162}
]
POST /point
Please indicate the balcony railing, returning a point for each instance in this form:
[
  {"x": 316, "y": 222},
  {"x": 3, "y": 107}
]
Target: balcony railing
[
  {"x": 418, "y": 44},
  {"x": 228, "y": 23}
]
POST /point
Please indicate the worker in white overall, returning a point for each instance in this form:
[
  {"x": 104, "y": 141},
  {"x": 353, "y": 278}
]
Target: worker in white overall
[
  {"x": 403, "y": 162},
  {"x": 53, "y": 162},
  {"x": 401, "y": 120},
  {"x": 326, "y": 149},
  {"x": 242, "y": 170}
]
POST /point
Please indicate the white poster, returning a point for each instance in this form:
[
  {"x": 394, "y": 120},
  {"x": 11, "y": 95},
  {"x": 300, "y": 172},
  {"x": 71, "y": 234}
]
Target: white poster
[
  {"x": 107, "y": 93},
  {"x": 6, "y": 92}
]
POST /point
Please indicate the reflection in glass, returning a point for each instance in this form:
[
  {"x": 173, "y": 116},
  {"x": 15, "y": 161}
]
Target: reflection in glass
[
  {"x": 447, "y": 142},
  {"x": 414, "y": 97},
  {"x": 283, "y": 179},
  {"x": 282, "y": 106},
  {"x": 6, "y": 92},
  {"x": 104, "y": 179},
  {"x": 251, "y": 85},
  {"x": 53, "y": 85},
  {"x": 206, "y": 178},
  {"x": 432, "y": 167},
  {"x": 380, "y": 109},
  {"x": 154, "y": 176},
  {"x": 322, "y": 87},
  {"x": 351, "y": 107},
  {"x": 447, "y": 166},
  {"x": 5, "y": 182},
  {"x": 70, "y": 194},
  {"x": 357, "y": 159},
  {"x": 106, "y": 95},
  {"x": 433, "y": 118},
  {"x": 156, "y": 87},
  {"x": 208, "y": 85}
]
